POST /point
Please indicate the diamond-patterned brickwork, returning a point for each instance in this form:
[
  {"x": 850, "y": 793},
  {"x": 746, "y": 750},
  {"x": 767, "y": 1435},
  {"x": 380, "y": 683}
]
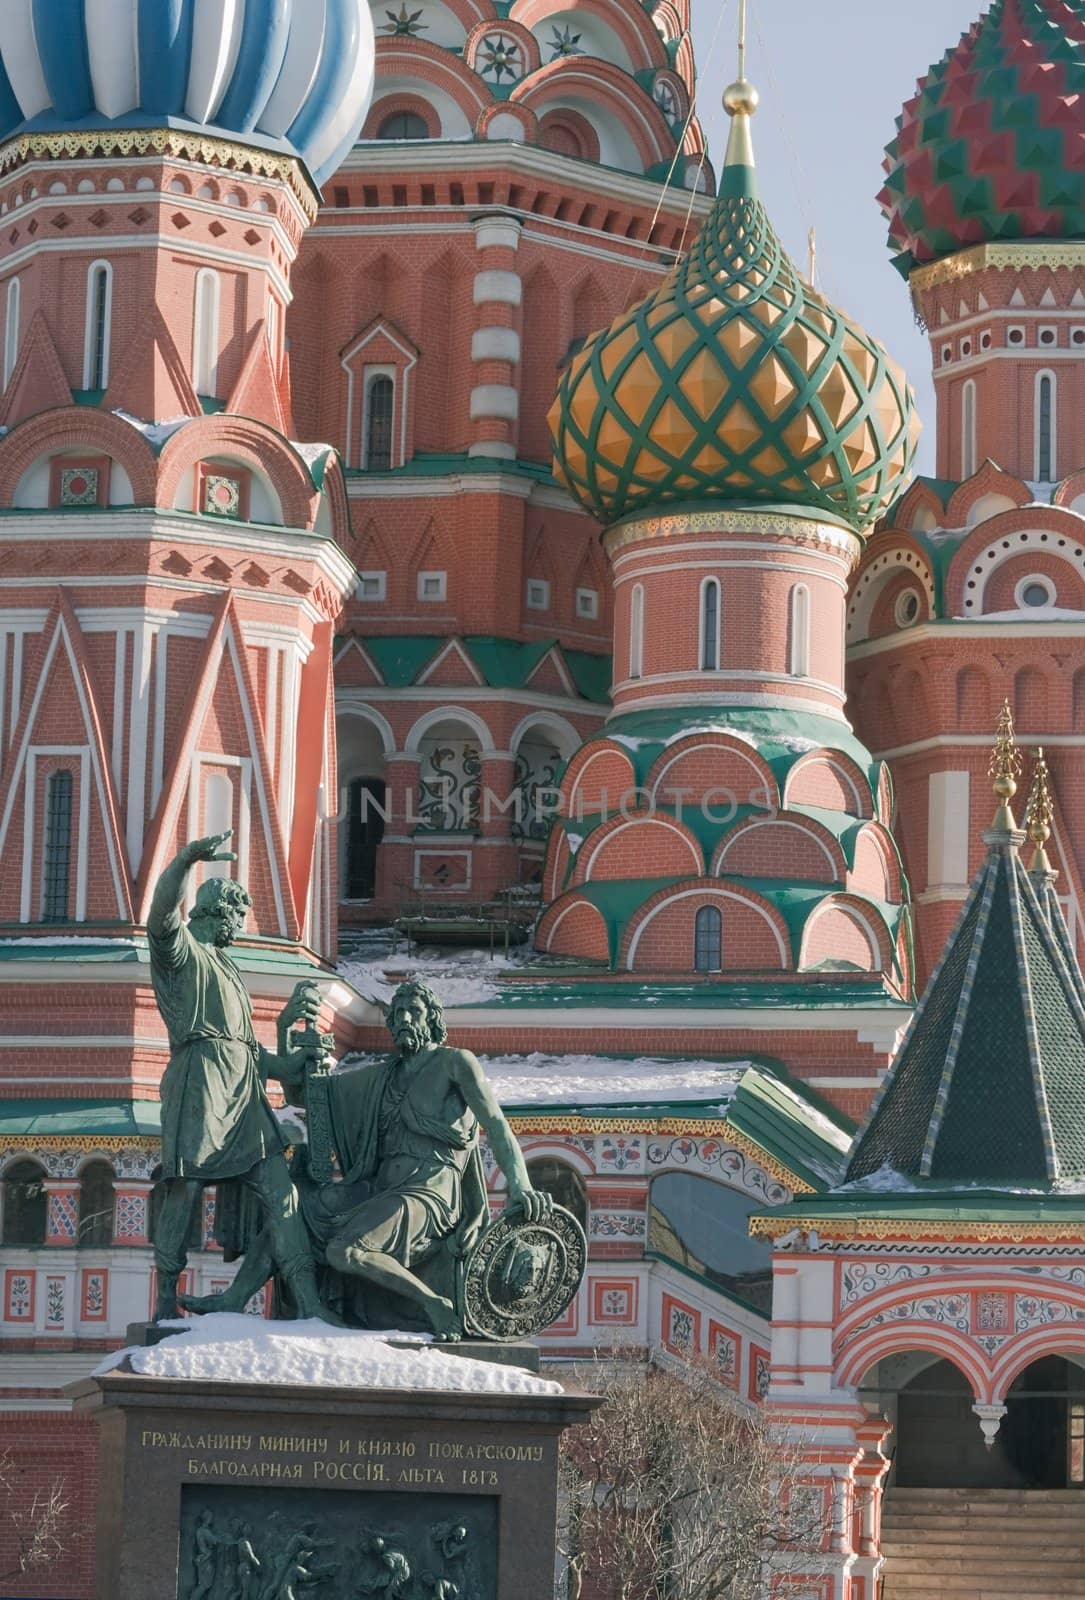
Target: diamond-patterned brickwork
[
  {"x": 991, "y": 146},
  {"x": 734, "y": 381}
]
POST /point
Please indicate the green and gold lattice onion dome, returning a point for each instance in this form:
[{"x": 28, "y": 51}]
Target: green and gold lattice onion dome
[{"x": 735, "y": 381}]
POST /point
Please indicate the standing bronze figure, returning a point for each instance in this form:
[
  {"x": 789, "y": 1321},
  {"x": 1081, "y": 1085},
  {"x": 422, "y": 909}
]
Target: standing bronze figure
[{"x": 217, "y": 1123}]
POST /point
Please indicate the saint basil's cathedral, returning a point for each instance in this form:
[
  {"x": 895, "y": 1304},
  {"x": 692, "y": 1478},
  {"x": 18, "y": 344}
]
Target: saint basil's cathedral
[{"x": 416, "y": 458}]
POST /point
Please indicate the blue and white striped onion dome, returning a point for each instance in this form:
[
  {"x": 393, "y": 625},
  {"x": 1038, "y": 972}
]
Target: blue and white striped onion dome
[{"x": 294, "y": 76}]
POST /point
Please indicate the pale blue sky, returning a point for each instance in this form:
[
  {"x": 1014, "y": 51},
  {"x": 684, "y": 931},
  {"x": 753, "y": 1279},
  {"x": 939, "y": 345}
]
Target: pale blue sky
[{"x": 833, "y": 77}]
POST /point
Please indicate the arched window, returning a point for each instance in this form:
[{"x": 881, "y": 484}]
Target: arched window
[
  {"x": 968, "y": 429},
  {"x": 26, "y": 1204},
  {"x": 205, "y": 333},
  {"x": 799, "y": 632},
  {"x": 1045, "y": 427},
  {"x": 98, "y": 326},
  {"x": 703, "y": 1226},
  {"x": 710, "y": 625},
  {"x": 11, "y": 328},
  {"x": 708, "y": 940},
  {"x": 379, "y": 409},
  {"x": 564, "y": 1186},
  {"x": 57, "y": 858},
  {"x": 403, "y": 125},
  {"x": 365, "y": 830},
  {"x": 636, "y": 631},
  {"x": 96, "y": 1206}
]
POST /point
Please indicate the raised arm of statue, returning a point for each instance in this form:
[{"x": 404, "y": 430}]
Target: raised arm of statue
[
  {"x": 534, "y": 1203},
  {"x": 165, "y": 923}
]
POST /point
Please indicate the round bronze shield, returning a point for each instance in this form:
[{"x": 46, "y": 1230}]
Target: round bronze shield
[{"x": 521, "y": 1276}]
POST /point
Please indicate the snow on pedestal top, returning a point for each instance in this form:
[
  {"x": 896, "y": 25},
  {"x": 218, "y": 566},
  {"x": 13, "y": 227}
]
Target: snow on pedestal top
[{"x": 243, "y": 1349}]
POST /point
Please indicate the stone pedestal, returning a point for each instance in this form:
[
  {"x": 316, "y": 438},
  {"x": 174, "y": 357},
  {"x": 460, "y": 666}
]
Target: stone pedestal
[{"x": 394, "y": 1494}]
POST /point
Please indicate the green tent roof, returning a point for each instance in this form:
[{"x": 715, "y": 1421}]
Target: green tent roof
[{"x": 989, "y": 1085}]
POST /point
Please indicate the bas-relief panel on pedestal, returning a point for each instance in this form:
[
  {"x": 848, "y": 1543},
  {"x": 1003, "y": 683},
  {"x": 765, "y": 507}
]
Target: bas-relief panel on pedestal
[{"x": 247, "y": 1544}]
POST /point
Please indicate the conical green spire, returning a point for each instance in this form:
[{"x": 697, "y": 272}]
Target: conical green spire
[{"x": 989, "y": 1085}]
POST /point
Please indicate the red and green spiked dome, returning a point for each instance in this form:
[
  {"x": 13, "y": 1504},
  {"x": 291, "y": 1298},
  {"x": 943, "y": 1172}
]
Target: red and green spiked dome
[
  {"x": 992, "y": 146},
  {"x": 735, "y": 381}
]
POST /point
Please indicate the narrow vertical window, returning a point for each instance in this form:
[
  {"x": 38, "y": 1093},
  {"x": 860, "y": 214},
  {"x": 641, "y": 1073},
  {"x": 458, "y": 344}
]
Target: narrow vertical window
[
  {"x": 380, "y": 398},
  {"x": 710, "y": 625},
  {"x": 205, "y": 334},
  {"x": 11, "y": 329},
  {"x": 799, "y": 632},
  {"x": 968, "y": 430},
  {"x": 1045, "y": 427},
  {"x": 99, "y": 318},
  {"x": 636, "y": 631},
  {"x": 56, "y": 887},
  {"x": 273, "y": 331},
  {"x": 708, "y": 940}
]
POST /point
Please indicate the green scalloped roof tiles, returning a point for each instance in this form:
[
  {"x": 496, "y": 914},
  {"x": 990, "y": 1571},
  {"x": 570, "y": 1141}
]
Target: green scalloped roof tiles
[
  {"x": 991, "y": 145},
  {"x": 736, "y": 382}
]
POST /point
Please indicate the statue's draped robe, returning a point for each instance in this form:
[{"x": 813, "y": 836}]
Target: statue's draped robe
[
  {"x": 444, "y": 1205},
  {"x": 217, "y": 1122}
]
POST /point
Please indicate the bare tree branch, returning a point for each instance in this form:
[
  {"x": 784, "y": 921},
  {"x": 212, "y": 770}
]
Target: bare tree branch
[
  {"x": 676, "y": 1491},
  {"x": 38, "y": 1527}
]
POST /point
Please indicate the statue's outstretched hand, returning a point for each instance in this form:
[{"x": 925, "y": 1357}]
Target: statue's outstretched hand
[
  {"x": 303, "y": 1005},
  {"x": 209, "y": 849},
  {"x": 535, "y": 1204}
]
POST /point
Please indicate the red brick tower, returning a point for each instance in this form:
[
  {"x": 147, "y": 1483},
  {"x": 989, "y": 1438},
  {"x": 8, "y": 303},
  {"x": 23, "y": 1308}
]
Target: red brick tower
[
  {"x": 974, "y": 588},
  {"x": 526, "y": 171},
  {"x": 172, "y": 564}
]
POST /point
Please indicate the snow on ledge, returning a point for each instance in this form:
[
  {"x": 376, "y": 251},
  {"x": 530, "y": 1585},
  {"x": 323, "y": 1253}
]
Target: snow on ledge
[{"x": 229, "y": 1348}]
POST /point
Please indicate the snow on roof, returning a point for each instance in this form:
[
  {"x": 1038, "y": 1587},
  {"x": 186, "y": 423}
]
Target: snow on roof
[
  {"x": 458, "y": 977},
  {"x": 541, "y": 1079},
  {"x": 229, "y": 1348}
]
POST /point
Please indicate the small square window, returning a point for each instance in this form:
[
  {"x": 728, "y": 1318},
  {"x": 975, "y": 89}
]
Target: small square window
[
  {"x": 432, "y": 585},
  {"x": 985, "y": 339},
  {"x": 372, "y": 586},
  {"x": 1015, "y": 336},
  {"x": 587, "y": 604},
  {"x": 1049, "y": 337},
  {"x": 1077, "y": 336},
  {"x": 538, "y": 594}
]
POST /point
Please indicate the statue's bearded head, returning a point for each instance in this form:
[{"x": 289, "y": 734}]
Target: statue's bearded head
[
  {"x": 416, "y": 1018},
  {"x": 220, "y": 911}
]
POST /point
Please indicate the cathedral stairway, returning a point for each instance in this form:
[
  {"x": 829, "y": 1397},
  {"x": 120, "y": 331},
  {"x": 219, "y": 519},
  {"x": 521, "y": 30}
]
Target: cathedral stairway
[{"x": 986, "y": 1544}]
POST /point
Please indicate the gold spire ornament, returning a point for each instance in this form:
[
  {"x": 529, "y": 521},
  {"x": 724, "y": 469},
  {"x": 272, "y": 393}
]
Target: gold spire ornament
[
  {"x": 740, "y": 101},
  {"x": 1005, "y": 769},
  {"x": 1039, "y": 818}
]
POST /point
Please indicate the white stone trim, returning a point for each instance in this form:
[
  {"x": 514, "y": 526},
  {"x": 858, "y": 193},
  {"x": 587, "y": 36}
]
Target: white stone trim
[
  {"x": 494, "y": 287},
  {"x": 495, "y": 344},
  {"x": 499, "y": 400}
]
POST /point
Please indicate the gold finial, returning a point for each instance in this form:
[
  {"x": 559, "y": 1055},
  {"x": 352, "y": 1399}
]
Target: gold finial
[
  {"x": 740, "y": 101},
  {"x": 1005, "y": 770},
  {"x": 1039, "y": 815}
]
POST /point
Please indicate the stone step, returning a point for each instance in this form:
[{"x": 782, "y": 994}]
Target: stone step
[
  {"x": 919, "y": 1530},
  {"x": 1069, "y": 1544},
  {"x": 938, "y": 1498},
  {"x": 984, "y": 1565},
  {"x": 925, "y": 1586}
]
